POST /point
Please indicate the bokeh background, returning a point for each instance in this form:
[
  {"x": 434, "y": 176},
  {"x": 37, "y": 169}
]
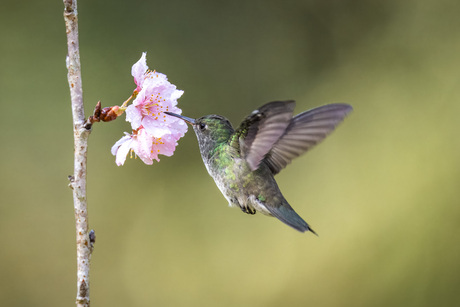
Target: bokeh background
[{"x": 382, "y": 191}]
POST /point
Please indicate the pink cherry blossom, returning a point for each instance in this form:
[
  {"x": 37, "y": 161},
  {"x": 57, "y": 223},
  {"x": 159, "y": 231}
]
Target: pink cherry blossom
[
  {"x": 144, "y": 146},
  {"x": 154, "y": 132},
  {"x": 156, "y": 95}
]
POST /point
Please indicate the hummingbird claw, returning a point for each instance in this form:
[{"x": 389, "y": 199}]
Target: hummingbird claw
[{"x": 248, "y": 210}]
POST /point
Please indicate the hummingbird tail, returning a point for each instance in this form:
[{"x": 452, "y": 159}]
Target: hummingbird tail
[{"x": 288, "y": 216}]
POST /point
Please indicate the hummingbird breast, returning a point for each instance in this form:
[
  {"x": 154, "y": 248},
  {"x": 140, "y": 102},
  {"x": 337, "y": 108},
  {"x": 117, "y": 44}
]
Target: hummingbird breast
[{"x": 241, "y": 187}]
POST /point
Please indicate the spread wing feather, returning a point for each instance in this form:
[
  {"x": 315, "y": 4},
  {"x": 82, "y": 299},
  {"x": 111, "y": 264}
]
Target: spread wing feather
[
  {"x": 305, "y": 131},
  {"x": 257, "y": 134}
]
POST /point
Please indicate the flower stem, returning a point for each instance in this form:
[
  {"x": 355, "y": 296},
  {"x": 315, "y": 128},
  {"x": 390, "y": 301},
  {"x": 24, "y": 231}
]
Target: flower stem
[
  {"x": 78, "y": 180},
  {"x": 123, "y": 106}
]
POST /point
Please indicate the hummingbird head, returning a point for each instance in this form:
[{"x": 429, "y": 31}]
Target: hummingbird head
[{"x": 210, "y": 130}]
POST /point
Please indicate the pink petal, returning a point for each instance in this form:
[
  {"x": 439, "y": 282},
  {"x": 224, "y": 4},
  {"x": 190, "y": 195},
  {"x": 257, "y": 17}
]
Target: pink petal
[
  {"x": 176, "y": 95},
  {"x": 134, "y": 116},
  {"x": 144, "y": 147},
  {"x": 139, "y": 69},
  {"x": 118, "y": 144},
  {"x": 121, "y": 149},
  {"x": 153, "y": 127}
]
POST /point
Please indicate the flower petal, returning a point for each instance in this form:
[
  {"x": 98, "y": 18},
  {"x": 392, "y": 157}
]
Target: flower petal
[
  {"x": 134, "y": 116},
  {"x": 176, "y": 95},
  {"x": 153, "y": 127},
  {"x": 144, "y": 146},
  {"x": 121, "y": 149},
  {"x": 138, "y": 70}
]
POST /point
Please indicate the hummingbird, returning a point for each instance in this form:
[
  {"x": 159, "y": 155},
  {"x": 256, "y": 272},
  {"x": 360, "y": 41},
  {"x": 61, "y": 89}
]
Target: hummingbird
[{"x": 243, "y": 162}]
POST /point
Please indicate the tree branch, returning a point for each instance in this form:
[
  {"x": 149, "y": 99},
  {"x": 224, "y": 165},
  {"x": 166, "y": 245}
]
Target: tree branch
[{"x": 85, "y": 239}]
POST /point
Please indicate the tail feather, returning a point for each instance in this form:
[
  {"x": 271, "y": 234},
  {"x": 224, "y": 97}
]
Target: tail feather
[{"x": 288, "y": 216}]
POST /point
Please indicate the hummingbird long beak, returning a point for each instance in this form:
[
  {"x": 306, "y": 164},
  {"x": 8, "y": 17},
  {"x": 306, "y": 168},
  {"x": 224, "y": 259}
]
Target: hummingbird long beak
[{"x": 189, "y": 120}]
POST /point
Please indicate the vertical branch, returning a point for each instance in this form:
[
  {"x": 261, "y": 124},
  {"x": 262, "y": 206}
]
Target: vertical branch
[{"x": 78, "y": 180}]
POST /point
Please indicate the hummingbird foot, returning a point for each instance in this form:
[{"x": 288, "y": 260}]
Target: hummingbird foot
[{"x": 248, "y": 210}]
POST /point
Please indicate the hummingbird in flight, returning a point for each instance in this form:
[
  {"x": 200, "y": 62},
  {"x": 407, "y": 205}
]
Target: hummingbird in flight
[{"x": 243, "y": 162}]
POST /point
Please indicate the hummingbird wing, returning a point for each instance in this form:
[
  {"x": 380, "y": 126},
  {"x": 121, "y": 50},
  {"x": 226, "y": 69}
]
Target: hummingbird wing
[
  {"x": 261, "y": 129},
  {"x": 305, "y": 131}
]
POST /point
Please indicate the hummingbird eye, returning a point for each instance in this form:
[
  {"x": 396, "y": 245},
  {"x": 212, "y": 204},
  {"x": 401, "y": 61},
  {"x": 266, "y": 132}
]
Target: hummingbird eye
[{"x": 202, "y": 126}]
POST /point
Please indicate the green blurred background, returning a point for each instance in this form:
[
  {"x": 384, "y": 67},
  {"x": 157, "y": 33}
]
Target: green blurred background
[{"x": 382, "y": 191}]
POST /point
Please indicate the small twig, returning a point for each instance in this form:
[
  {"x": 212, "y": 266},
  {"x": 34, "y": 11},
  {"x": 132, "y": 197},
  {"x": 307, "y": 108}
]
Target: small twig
[
  {"x": 106, "y": 115},
  {"x": 81, "y": 134},
  {"x": 95, "y": 117}
]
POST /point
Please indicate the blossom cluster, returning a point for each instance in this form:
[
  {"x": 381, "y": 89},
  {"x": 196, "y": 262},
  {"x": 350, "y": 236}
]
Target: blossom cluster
[{"x": 153, "y": 132}]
